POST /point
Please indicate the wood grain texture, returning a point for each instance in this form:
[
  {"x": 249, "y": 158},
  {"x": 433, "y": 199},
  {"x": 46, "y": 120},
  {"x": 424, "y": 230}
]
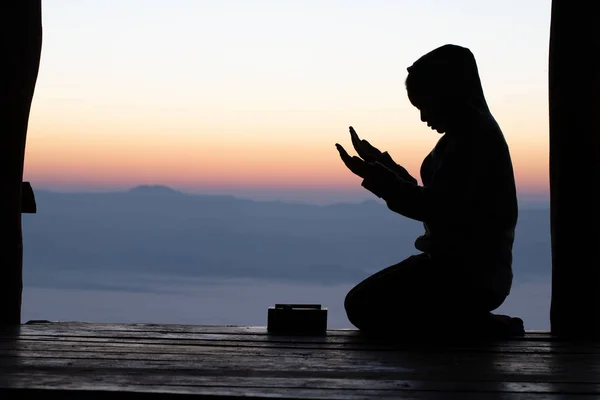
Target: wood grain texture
[{"x": 156, "y": 361}]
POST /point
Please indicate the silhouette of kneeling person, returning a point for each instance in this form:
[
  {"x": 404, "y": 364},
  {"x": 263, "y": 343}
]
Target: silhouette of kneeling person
[{"x": 467, "y": 204}]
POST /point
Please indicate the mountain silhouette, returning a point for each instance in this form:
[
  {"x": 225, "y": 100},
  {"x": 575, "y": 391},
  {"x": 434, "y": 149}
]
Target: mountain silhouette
[{"x": 81, "y": 238}]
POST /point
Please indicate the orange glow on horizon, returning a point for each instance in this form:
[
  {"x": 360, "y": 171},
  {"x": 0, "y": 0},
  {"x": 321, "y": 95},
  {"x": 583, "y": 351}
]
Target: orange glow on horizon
[
  {"x": 77, "y": 143},
  {"x": 195, "y": 162}
]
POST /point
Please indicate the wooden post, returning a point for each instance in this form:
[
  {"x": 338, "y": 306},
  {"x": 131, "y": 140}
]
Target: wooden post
[
  {"x": 20, "y": 47},
  {"x": 574, "y": 79}
]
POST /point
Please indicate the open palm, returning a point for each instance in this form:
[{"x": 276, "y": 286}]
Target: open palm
[{"x": 365, "y": 150}]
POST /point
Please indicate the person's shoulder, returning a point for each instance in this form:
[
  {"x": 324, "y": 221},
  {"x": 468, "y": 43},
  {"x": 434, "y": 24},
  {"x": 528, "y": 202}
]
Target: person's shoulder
[{"x": 487, "y": 131}]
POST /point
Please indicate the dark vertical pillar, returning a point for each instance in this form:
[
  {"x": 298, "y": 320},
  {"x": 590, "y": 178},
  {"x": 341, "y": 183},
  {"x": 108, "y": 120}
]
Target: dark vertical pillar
[
  {"x": 574, "y": 79},
  {"x": 20, "y": 47}
]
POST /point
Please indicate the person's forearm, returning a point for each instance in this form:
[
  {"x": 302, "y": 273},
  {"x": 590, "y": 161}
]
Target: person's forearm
[
  {"x": 424, "y": 203},
  {"x": 401, "y": 196},
  {"x": 409, "y": 200},
  {"x": 389, "y": 162}
]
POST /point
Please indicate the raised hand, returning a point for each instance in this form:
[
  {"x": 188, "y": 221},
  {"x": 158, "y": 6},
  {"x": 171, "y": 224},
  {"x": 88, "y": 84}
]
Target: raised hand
[
  {"x": 373, "y": 155},
  {"x": 355, "y": 164},
  {"x": 365, "y": 150}
]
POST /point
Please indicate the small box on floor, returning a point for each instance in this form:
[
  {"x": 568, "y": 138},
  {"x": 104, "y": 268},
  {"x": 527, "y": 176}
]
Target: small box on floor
[{"x": 301, "y": 319}]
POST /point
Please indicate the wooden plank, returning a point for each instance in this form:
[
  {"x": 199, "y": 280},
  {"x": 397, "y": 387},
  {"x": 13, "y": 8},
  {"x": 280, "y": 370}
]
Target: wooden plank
[
  {"x": 496, "y": 347},
  {"x": 58, "y": 343},
  {"x": 41, "y": 379},
  {"x": 159, "y": 393},
  {"x": 184, "y": 336},
  {"x": 349, "y": 343},
  {"x": 190, "y": 331},
  {"x": 275, "y": 340},
  {"x": 229, "y": 329},
  {"x": 192, "y": 352},
  {"x": 433, "y": 366},
  {"x": 160, "y": 328}
]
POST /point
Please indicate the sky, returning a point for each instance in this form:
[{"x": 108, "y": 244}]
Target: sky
[{"x": 249, "y": 97}]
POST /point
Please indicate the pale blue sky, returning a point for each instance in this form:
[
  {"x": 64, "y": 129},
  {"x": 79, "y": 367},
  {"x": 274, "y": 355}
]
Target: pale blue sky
[
  {"x": 116, "y": 73},
  {"x": 162, "y": 44}
]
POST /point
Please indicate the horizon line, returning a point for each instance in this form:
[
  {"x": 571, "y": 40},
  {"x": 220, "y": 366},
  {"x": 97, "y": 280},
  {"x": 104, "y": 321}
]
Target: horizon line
[{"x": 527, "y": 197}]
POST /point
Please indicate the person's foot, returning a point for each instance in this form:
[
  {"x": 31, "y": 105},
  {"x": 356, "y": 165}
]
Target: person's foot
[{"x": 503, "y": 325}]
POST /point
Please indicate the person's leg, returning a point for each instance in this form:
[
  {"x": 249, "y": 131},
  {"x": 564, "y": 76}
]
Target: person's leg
[{"x": 415, "y": 295}]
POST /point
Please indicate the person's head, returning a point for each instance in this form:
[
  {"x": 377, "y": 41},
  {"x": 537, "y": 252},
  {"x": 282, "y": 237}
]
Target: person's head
[{"x": 443, "y": 84}]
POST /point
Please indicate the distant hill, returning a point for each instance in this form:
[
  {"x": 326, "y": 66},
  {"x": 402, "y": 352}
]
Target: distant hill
[{"x": 78, "y": 238}]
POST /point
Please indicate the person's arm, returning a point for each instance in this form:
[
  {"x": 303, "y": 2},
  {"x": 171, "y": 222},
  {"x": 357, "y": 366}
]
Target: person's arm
[
  {"x": 401, "y": 196},
  {"x": 389, "y": 162},
  {"x": 449, "y": 195}
]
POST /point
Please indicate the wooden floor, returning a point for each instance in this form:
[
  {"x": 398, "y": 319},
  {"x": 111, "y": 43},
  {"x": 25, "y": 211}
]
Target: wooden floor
[{"x": 93, "y": 361}]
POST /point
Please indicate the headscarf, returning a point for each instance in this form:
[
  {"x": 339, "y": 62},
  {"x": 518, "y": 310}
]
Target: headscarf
[{"x": 449, "y": 71}]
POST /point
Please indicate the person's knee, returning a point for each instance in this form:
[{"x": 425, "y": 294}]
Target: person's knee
[
  {"x": 349, "y": 302},
  {"x": 355, "y": 307}
]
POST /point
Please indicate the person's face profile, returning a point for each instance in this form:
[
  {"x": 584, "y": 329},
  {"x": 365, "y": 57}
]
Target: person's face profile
[
  {"x": 432, "y": 121},
  {"x": 431, "y": 112}
]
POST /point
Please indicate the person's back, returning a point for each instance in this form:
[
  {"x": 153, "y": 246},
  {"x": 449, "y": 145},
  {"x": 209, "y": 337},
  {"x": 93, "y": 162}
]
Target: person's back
[
  {"x": 477, "y": 211},
  {"x": 467, "y": 202}
]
